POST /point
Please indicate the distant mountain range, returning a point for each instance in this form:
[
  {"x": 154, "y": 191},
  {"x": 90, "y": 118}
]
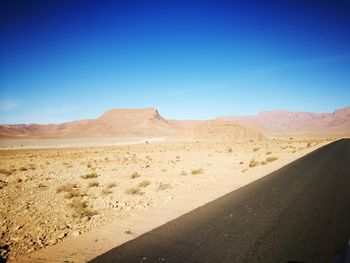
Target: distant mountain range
[
  {"x": 283, "y": 121},
  {"x": 131, "y": 123}
]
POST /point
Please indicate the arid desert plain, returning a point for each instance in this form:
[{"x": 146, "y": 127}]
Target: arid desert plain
[{"x": 55, "y": 189}]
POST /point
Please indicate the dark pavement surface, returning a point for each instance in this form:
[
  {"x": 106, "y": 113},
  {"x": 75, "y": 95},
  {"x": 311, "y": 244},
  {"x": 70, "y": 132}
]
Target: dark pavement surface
[{"x": 299, "y": 213}]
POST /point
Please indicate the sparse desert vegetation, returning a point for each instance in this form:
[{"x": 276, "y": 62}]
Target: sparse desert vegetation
[
  {"x": 89, "y": 175},
  {"x": 197, "y": 171},
  {"x": 271, "y": 159},
  {"x": 135, "y": 175},
  {"x": 64, "y": 192},
  {"x": 144, "y": 183},
  {"x": 253, "y": 163},
  {"x": 133, "y": 191}
]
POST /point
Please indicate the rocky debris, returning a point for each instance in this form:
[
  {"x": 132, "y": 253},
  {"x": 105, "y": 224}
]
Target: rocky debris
[
  {"x": 34, "y": 214},
  {"x": 3, "y": 184},
  {"x": 4, "y": 250}
]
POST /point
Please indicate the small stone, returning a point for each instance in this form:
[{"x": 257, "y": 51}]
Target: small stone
[
  {"x": 85, "y": 219},
  {"x": 18, "y": 227},
  {"x": 62, "y": 227},
  {"x": 53, "y": 241},
  {"x": 62, "y": 235},
  {"x": 76, "y": 233}
]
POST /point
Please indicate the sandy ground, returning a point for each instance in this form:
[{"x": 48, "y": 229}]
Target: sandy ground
[
  {"x": 50, "y": 195},
  {"x": 73, "y": 142}
]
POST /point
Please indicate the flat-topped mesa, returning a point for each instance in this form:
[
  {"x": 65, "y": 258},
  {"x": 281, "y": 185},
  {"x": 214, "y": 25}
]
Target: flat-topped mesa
[
  {"x": 130, "y": 114},
  {"x": 113, "y": 123},
  {"x": 345, "y": 112},
  {"x": 133, "y": 122}
]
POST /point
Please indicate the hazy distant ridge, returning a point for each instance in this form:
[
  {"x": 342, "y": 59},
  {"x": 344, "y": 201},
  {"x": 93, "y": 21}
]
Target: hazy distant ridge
[
  {"x": 131, "y": 123},
  {"x": 284, "y": 121}
]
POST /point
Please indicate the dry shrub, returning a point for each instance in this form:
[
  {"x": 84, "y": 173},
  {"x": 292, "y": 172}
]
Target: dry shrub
[
  {"x": 73, "y": 193},
  {"x": 271, "y": 159},
  {"x": 106, "y": 191},
  {"x": 135, "y": 175},
  {"x": 197, "y": 171},
  {"x": 66, "y": 187},
  {"x": 256, "y": 149},
  {"x": 5, "y": 172},
  {"x": 133, "y": 191},
  {"x": 268, "y": 153},
  {"x": 144, "y": 183},
  {"x": 253, "y": 163},
  {"x": 229, "y": 150},
  {"x": 89, "y": 176},
  {"x": 111, "y": 185},
  {"x": 93, "y": 184},
  {"x": 81, "y": 208},
  {"x": 69, "y": 190},
  {"x": 163, "y": 186},
  {"x": 23, "y": 169}
]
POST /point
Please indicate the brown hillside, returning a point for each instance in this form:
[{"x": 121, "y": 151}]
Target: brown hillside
[{"x": 218, "y": 130}]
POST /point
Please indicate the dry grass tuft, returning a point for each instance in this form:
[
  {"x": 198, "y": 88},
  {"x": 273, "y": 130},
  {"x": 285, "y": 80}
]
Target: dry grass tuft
[
  {"x": 271, "y": 159},
  {"x": 144, "y": 183},
  {"x": 73, "y": 193},
  {"x": 163, "y": 186},
  {"x": 135, "y": 175},
  {"x": 183, "y": 173},
  {"x": 66, "y": 187},
  {"x": 111, "y": 185},
  {"x": 256, "y": 149},
  {"x": 5, "y": 172},
  {"x": 69, "y": 190},
  {"x": 253, "y": 163},
  {"x": 81, "y": 208},
  {"x": 133, "y": 191},
  {"x": 93, "y": 184},
  {"x": 106, "y": 191},
  {"x": 89, "y": 176},
  {"x": 197, "y": 171}
]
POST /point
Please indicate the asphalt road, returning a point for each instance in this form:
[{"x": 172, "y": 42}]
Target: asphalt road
[{"x": 300, "y": 213}]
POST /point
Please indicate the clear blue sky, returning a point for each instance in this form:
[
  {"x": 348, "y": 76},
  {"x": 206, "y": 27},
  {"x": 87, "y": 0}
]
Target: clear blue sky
[{"x": 64, "y": 60}]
